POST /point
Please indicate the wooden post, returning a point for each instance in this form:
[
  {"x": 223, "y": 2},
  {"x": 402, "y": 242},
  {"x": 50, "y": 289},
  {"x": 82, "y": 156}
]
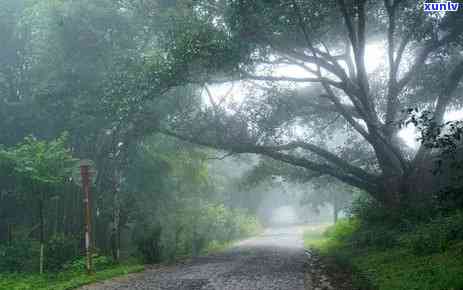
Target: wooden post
[{"x": 85, "y": 174}]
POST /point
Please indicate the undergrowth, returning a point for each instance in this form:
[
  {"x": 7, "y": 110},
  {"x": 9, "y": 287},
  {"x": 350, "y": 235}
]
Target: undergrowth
[
  {"x": 422, "y": 255},
  {"x": 72, "y": 277}
]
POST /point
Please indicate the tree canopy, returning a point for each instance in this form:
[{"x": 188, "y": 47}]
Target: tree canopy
[{"x": 295, "y": 118}]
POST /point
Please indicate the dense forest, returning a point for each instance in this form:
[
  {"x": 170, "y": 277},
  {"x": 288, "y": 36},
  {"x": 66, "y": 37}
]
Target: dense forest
[{"x": 201, "y": 117}]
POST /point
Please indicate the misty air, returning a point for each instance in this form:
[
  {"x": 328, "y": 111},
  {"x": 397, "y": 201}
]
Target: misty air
[{"x": 231, "y": 144}]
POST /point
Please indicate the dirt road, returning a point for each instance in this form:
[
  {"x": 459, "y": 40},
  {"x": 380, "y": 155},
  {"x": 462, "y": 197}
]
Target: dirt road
[{"x": 273, "y": 260}]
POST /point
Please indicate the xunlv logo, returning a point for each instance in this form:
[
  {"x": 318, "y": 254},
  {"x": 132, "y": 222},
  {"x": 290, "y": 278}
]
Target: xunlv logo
[{"x": 449, "y": 6}]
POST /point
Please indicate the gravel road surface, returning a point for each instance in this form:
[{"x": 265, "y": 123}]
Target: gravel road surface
[{"x": 273, "y": 260}]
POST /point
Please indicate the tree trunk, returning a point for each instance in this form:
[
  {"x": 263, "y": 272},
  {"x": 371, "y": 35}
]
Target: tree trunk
[
  {"x": 115, "y": 244},
  {"x": 413, "y": 189}
]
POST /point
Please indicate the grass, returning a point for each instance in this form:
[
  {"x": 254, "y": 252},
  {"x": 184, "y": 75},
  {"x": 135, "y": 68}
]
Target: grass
[
  {"x": 389, "y": 268},
  {"x": 399, "y": 270},
  {"x": 317, "y": 238},
  {"x": 216, "y": 247},
  {"x": 314, "y": 237},
  {"x": 63, "y": 280}
]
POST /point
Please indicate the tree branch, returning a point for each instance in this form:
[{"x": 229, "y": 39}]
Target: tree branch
[
  {"x": 348, "y": 117},
  {"x": 357, "y": 38},
  {"x": 291, "y": 79},
  {"x": 357, "y": 171},
  {"x": 392, "y": 92},
  {"x": 362, "y": 183},
  {"x": 430, "y": 47},
  {"x": 452, "y": 82},
  {"x": 333, "y": 108}
]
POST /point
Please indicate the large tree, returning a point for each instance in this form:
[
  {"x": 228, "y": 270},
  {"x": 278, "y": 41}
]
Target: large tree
[{"x": 336, "y": 92}]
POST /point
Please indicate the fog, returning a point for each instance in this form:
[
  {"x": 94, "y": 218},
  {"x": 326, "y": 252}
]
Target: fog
[{"x": 223, "y": 144}]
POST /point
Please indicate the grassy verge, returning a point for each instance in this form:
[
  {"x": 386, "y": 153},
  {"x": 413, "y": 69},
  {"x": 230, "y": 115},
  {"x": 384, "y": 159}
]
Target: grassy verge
[
  {"x": 63, "y": 280},
  {"x": 397, "y": 267},
  {"x": 215, "y": 247},
  {"x": 314, "y": 237}
]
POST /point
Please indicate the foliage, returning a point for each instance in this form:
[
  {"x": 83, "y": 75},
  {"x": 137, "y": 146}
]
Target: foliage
[
  {"x": 398, "y": 270},
  {"x": 314, "y": 236},
  {"x": 369, "y": 210},
  {"x": 148, "y": 242},
  {"x": 445, "y": 141},
  {"x": 426, "y": 257},
  {"x": 436, "y": 236},
  {"x": 64, "y": 280},
  {"x": 40, "y": 168},
  {"x": 108, "y": 73},
  {"x": 43, "y": 163},
  {"x": 211, "y": 223},
  {"x": 180, "y": 211},
  {"x": 343, "y": 230},
  {"x": 199, "y": 228},
  {"x": 19, "y": 256},
  {"x": 446, "y": 136},
  {"x": 113, "y": 73},
  {"x": 306, "y": 121},
  {"x": 59, "y": 250},
  {"x": 100, "y": 263}
]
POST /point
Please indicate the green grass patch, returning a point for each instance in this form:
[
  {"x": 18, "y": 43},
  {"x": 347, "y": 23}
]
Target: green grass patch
[
  {"x": 400, "y": 270},
  {"x": 314, "y": 237},
  {"x": 63, "y": 280},
  {"x": 394, "y": 268},
  {"x": 217, "y": 247}
]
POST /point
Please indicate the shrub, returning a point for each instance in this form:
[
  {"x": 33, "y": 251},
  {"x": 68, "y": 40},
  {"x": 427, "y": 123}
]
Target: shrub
[
  {"x": 148, "y": 241},
  {"x": 60, "y": 249},
  {"x": 194, "y": 227},
  {"x": 373, "y": 213},
  {"x": 450, "y": 199},
  {"x": 343, "y": 229},
  {"x": 247, "y": 225},
  {"x": 79, "y": 264},
  {"x": 435, "y": 236},
  {"x": 381, "y": 237},
  {"x": 20, "y": 256}
]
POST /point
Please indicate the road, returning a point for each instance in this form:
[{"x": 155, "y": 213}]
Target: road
[{"x": 272, "y": 260}]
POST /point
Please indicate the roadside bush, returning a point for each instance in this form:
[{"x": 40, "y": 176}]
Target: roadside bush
[
  {"x": 343, "y": 230},
  {"x": 193, "y": 228},
  {"x": 450, "y": 199},
  {"x": 355, "y": 232},
  {"x": 381, "y": 227},
  {"x": 60, "y": 249},
  {"x": 247, "y": 225},
  {"x": 381, "y": 238},
  {"x": 99, "y": 263},
  {"x": 20, "y": 256},
  {"x": 373, "y": 213},
  {"x": 428, "y": 256},
  {"x": 436, "y": 236},
  {"x": 148, "y": 241}
]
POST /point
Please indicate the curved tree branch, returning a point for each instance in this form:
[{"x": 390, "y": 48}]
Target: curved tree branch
[
  {"x": 361, "y": 182},
  {"x": 357, "y": 171},
  {"x": 290, "y": 79}
]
